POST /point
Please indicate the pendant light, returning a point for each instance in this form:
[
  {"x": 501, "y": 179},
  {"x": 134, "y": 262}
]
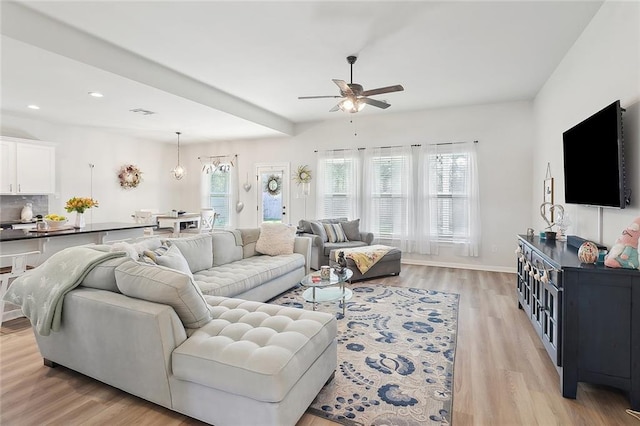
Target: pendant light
[{"x": 178, "y": 171}]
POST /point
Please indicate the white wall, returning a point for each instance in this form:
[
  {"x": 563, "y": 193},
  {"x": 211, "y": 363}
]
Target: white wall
[
  {"x": 602, "y": 66},
  {"x": 505, "y": 135},
  {"x": 78, "y": 147}
]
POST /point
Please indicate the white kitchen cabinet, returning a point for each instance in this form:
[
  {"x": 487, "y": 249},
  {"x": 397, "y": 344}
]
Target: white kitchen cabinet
[{"x": 27, "y": 167}]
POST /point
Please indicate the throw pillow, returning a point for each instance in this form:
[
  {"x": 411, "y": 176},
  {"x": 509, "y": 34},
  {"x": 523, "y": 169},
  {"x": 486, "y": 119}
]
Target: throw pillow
[
  {"x": 154, "y": 254},
  {"x": 167, "y": 286},
  {"x": 275, "y": 239},
  {"x": 318, "y": 229},
  {"x": 351, "y": 229},
  {"x": 198, "y": 250},
  {"x": 249, "y": 239},
  {"x": 175, "y": 260},
  {"x": 335, "y": 234}
]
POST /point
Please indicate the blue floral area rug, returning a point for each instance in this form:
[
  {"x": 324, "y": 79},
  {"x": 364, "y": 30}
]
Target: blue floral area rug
[{"x": 396, "y": 349}]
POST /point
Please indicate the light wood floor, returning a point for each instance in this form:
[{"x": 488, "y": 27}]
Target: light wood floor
[{"x": 502, "y": 374}]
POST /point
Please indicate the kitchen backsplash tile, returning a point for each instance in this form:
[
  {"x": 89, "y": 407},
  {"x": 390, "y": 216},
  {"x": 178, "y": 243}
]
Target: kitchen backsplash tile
[{"x": 11, "y": 206}]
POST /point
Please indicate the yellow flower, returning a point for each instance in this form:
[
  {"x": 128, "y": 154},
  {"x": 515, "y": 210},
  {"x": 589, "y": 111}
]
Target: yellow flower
[{"x": 80, "y": 204}]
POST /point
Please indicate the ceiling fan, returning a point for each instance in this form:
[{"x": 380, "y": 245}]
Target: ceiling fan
[{"x": 355, "y": 97}]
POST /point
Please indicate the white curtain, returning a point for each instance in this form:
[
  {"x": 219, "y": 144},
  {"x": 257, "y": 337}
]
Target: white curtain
[
  {"x": 451, "y": 188},
  {"x": 338, "y": 184},
  {"x": 388, "y": 196}
]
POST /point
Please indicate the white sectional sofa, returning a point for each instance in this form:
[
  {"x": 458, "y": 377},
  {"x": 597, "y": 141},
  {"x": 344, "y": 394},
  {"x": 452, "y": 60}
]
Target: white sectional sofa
[{"x": 199, "y": 341}]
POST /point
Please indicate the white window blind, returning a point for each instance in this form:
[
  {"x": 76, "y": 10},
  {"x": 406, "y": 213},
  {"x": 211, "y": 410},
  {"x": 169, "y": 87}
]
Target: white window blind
[
  {"x": 219, "y": 196},
  {"x": 336, "y": 184},
  {"x": 450, "y": 196},
  {"x": 387, "y": 196}
]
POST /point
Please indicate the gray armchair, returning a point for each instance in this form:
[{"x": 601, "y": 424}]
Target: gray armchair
[{"x": 320, "y": 245}]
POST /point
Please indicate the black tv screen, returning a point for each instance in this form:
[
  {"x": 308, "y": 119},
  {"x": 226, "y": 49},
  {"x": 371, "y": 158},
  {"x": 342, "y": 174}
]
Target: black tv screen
[{"x": 593, "y": 150}]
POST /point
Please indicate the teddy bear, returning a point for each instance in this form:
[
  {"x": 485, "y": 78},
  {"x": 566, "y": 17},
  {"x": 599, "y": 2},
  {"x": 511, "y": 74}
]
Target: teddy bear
[{"x": 624, "y": 253}]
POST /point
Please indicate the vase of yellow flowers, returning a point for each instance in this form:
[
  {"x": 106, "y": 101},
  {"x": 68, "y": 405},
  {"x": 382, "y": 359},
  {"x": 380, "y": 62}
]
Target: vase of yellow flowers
[{"x": 79, "y": 205}]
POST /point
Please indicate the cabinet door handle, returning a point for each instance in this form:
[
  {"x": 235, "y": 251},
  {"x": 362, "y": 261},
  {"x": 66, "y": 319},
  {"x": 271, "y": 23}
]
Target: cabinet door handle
[
  {"x": 10, "y": 187},
  {"x": 19, "y": 189}
]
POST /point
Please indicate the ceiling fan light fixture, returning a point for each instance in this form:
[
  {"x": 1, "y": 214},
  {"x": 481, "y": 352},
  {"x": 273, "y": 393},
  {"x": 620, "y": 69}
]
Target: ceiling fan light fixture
[
  {"x": 352, "y": 105},
  {"x": 178, "y": 171}
]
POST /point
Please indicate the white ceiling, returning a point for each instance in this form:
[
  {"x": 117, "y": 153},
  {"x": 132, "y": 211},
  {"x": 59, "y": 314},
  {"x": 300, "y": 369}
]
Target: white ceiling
[{"x": 223, "y": 70}]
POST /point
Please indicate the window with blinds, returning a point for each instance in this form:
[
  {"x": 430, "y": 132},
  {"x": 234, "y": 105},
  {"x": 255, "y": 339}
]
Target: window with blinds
[
  {"x": 450, "y": 196},
  {"x": 220, "y": 196},
  {"x": 337, "y": 181},
  {"x": 386, "y": 195}
]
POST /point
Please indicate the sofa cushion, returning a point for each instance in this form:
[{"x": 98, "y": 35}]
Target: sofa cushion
[
  {"x": 253, "y": 349},
  {"x": 198, "y": 250},
  {"x": 335, "y": 234},
  {"x": 227, "y": 247},
  {"x": 103, "y": 275},
  {"x": 276, "y": 239},
  {"x": 166, "y": 286},
  {"x": 238, "y": 277},
  {"x": 249, "y": 239},
  {"x": 351, "y": 229},
  {"x": 174, "y": 259}
]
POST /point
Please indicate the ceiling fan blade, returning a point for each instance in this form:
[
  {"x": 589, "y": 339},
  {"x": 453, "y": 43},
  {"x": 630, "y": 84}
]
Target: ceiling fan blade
[
  {"x": 318, "y": 97},
  {"x": 375, "y": 103},
  {"x": 388, "y": 89},
  {"x": 335, "y": 108},
  {"x": 344, "y": 87}
]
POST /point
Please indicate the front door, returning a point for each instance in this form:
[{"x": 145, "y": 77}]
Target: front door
[{"x": 273, "y": 192}]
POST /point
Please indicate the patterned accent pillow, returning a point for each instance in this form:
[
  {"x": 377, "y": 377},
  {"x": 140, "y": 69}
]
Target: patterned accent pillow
[
  {"x": 154, "y": 254},
  {"x": 335, "y": 233}
]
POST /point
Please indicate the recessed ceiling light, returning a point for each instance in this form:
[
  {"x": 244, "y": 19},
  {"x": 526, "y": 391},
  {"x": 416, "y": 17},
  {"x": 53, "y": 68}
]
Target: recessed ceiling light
[
  {"x": 96, "y": 94},
  {"x": 33, "y": 106}
]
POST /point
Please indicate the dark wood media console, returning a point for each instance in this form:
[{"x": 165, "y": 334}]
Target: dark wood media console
[{"x": 587, "y": 316}]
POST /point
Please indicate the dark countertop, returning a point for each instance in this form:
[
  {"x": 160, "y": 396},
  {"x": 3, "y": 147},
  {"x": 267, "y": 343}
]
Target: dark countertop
[{"x": 23, "y": 234}]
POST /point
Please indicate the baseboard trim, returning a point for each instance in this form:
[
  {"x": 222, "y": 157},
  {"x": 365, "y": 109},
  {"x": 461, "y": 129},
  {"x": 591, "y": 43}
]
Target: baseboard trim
[{"x": 459, "y": 266}]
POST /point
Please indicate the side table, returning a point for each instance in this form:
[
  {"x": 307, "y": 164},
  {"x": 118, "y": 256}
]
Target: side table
[{"x": 327, "y": 290}]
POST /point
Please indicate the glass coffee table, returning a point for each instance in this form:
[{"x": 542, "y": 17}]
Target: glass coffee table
[{"x": 327, "y": 290}]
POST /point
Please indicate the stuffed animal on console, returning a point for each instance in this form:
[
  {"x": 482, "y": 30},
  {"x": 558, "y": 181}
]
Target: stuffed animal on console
[{"x": 624, "y": 253}]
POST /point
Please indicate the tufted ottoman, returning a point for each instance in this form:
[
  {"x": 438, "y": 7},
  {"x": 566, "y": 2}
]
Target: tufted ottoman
[
  {"x": 389, "y": 264},
  {"x": 256, "y": 363}
]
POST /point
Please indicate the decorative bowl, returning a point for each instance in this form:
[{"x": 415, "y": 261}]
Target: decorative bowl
[{"x": 55, "y": 224}]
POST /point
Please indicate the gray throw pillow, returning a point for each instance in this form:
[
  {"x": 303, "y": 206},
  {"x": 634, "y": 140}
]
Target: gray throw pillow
[
  {"x": 198, "y": 250},
  {"x": 305, "y": 225},
  {"x": 318, "y": 229},
  {"x": 166, "y": 286},
  {"x": 173, "y": 259},
  {"x": 351, "y": 229},
  {"x": 249, "y": 239}
]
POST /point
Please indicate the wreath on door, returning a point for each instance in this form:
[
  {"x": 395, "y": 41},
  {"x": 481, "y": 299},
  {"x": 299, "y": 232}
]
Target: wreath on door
[{"x": 273, "y": 185}]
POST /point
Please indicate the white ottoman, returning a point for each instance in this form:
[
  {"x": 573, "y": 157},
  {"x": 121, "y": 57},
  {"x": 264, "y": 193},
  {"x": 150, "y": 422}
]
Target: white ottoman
[{"x": 258, "y": 363}]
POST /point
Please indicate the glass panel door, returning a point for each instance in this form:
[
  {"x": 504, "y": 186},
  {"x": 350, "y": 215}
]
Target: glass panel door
[{"x": 273, "y": 193}]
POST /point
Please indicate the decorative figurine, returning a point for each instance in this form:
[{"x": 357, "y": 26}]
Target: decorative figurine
[{"x": 341, "y": 265}]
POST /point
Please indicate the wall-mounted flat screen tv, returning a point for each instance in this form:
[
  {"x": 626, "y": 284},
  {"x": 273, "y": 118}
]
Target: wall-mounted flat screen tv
[{"x": 594, "y": 172}]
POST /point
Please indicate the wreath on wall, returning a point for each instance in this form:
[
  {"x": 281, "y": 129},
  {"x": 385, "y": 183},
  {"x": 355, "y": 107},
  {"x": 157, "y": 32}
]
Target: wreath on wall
[
  {"x": 302, "y": 175},
  {"x": 129, "y": 176},
  {"x": 273, "y": 185}
]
